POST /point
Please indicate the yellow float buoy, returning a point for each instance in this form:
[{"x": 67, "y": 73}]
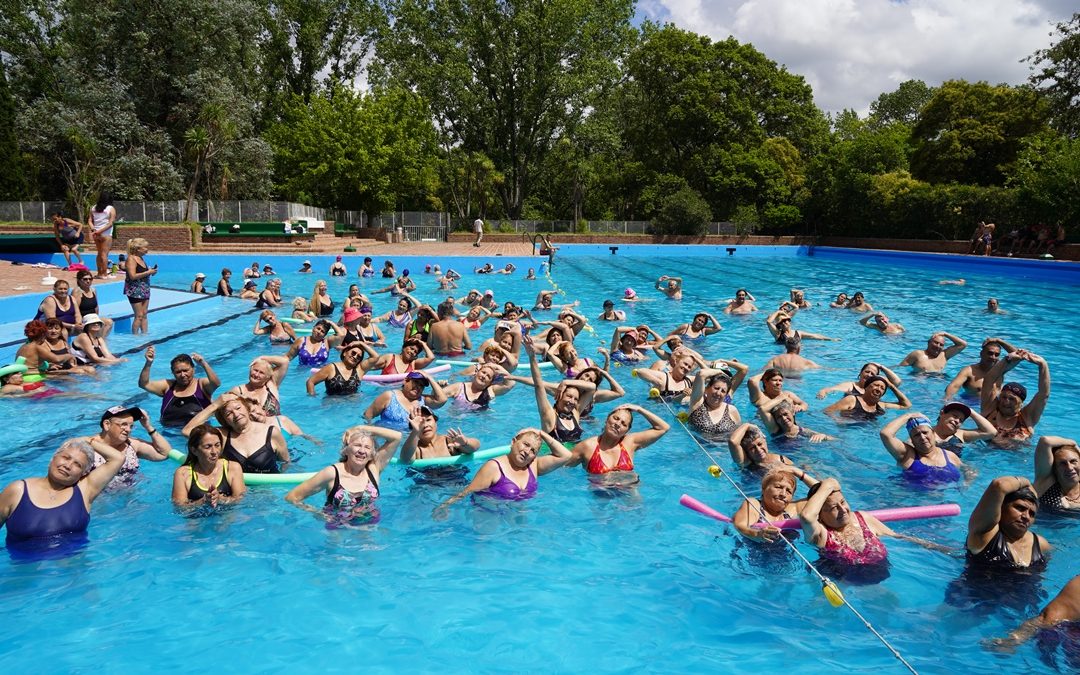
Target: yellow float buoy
[
  {"x": 654, "y": 393},
  {"x": 832, "y": 593}
]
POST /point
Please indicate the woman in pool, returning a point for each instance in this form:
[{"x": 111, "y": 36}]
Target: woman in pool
[
  {"x": 613, "y": 450},
  {"x": 949, "y": 435},
  {"x": 922, "y": 461},
  {"x": 869, "y": 404},
  {"x": 314, "y": 350},
  {"x": 844, "y": 537},
  {"x": 85, "y": 297},
  {"x": 779, "y": 417},
  {"x": 624, "y": 346},
  {"x": 401, "y": 315},
  {"x": 711, "y": 411},
  {"x": 563, "y": 418},
  {"x": 565, "y": 357},
  {"x": 58, "y": 503},
  {"x": 344, "y": 378},
  {"x": 704, "y": 324},
  {"x": 60, "y": 305},
  {"x": 425, "y": 441},
  {"x": 206, "y": 477},
  {"x": 414, "y": 355},
  {"x": 481, "y": 390},
  {"x": 46, "y": 343},
  {"x": 388, "y": 271},
  {"x": 224, "y": 288},
  {"x": 393, "y": 407},
  {"x": 300, "y": 310},
  {"x": 841, "y": 301},
  {"x": 798, "y": 298},
  {"x": 513, "y": 476},
  {"x": 999, "y": 536},
  {"x": 338, "y": 269},
  {"x": 90, "y": 347},
  {"x": 360, "y": 328},
  {"x": 277, "y": 331},
  {"x": 767, "y": 392},
  {"x": 352, "y": 483},
  {"x": 858, "y": 386},
  {"x": 321, "y": 303},
  {"x": 743, "y": 303},
  {"x": 137, "y": 282},
  {"x": 779, "y": 323},
  {"x": 420, "y": 327},
  {"x": 184, "y": 396},
  {"x": 270, "y": 296},
  {"x": 475, "y": 318},
  {"x": 257, "y": 447},
  {"x": 366, "y": 270},
  {"x": 264, "y": 377},
  {"x": 778, "y": 487},
  {"x": 1015, "y": 422},
  {"x": 1057, "y": 473},
  {"x": 750, "y": 449},
  {"x": 676, "y": 384}
]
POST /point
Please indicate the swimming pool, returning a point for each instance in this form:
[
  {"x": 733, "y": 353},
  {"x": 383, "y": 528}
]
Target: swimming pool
[{"x": 572, "y": 580}]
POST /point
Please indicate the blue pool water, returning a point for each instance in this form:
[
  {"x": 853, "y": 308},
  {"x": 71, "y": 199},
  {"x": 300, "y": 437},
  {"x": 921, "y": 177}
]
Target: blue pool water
[{"x": 569, "y": 581}]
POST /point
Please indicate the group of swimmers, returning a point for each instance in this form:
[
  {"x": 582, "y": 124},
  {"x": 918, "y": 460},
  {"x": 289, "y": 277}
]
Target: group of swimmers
[{"x": 252, "y": 432}]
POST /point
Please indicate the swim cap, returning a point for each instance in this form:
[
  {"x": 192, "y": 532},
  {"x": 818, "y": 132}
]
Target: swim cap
[
  {"x": 609, "y": 303},
  {"x": 917, "y": 421},
  {"x": 405, "y": 272},
  {"x": 959, "y": 407},
  {"x": 630, "y": 293}
]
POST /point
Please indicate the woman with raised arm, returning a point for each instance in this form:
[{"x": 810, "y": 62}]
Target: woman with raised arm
[
  {"x": 777, "y": 503},
  {"x": 352, "y": 483},
  {"x": 1003, "y": 405},
  {"x": 869, "y": 404},
  {"x": 750, "y": 449},
  {"x": 624, "y": 346},
  {"x": 184, "y": 396},
  {"x": 613, "y": 450},
  {"x": 277, "y": 331},
  {"x": 258, "y": 447},
  {"x": 676, "y": 384},
  {"x": 711, "y": 411},
  {"x": 1057, "y": 473},
  {"x": 58, "y": 503},
  {"x": 999, "y": 536},
  {"x": 704, "y": 324},
  {"x": 343, "y": 378},
  {"x": 513, "y": 476},
  {"x": 922, "y": 461},
  {"x": 264, "y": 377},
  {"x": 856, "y": 387}
]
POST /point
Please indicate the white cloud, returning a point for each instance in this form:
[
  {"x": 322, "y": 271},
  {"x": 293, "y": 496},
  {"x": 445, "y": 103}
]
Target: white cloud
[{"x": 850, "y": 51}]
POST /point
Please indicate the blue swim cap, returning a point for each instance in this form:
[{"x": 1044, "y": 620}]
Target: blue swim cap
[{"x": 917, "y": 421}]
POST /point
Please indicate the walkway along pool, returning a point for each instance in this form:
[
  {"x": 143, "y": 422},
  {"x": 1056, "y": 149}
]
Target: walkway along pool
[{"x": 578, "y": 578}]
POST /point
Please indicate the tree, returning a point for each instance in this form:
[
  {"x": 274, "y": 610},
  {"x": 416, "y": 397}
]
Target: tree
[
  {"x": 308, "y": 42},
  {"x": 346, "y": 150},
  {"x": 971, "y": 133},
  {"x": 12, "y": 178},
  {"x": 682, "y": 212},
  {"x": 704, "y": 109},
  {"x": 1047, "y": 179},
  {"x": 902, "y": 105},
  {"x": 506, "y": 78},
  {"x": 1056, "y": 71}
]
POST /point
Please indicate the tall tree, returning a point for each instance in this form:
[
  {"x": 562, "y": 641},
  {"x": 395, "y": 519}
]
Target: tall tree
[
  {"x": 902, "y": 105},
  {"x": 1056, "y": 71},
  {"x": 972, "y": 132},
  {"x": 506, "y": 78},
  {"x": 12, "y": 178}
]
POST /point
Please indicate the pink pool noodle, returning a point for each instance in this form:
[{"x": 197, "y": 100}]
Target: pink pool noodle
[
  {"x": 884, "y": 515},
  {"x": 400, "y": 377},
  {"x": 691, "y": 503}
]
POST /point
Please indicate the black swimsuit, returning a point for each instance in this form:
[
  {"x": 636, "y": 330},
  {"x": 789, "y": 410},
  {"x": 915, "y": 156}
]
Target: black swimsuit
[
  {"x": 337, "y": 385},
  {"x": 564, "y": 434},
  {"x": 263, "y": 460},
  {"x": 997, "y": 555}
]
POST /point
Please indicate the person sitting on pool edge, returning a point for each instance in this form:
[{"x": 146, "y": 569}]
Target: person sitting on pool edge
[{"x": 67, "y": 490}]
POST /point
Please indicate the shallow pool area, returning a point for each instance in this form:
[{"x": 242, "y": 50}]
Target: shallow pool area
[{"x": 578, "y": 578}]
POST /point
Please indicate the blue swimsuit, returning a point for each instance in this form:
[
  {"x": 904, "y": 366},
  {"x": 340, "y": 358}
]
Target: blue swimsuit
[
  {"x": 394, "y": 415},
  {"x": 30, "y": 521},
  {"x": 923, "y": 473}
]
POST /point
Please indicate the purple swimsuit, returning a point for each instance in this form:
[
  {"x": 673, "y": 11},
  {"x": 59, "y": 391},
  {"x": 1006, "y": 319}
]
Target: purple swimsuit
[{"x": 504, "y": 488}]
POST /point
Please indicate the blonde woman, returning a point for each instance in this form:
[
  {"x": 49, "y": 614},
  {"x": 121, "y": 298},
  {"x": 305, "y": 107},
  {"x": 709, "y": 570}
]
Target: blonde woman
[
  {"x": 320, "y": 303},
  {"x": 137, "y": 282}
]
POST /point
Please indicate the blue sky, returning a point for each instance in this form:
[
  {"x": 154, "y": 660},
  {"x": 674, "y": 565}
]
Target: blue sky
[{"x": 850, "y": 51}]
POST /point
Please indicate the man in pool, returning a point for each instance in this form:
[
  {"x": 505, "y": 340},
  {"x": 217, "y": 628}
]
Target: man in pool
[
  {"x": 970, "y": 378},
  {"x": 791, "y": 361},
  {"x": 448, "y": 337},
  {"x": 933, "y": 358},
  {"x": 670, "y": 286}
]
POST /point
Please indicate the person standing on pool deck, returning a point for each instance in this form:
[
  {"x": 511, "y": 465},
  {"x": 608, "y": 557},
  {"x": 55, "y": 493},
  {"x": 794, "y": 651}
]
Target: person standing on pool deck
[
  {"x": 102, "y": 218},
  {"x": 184, "y": 396},
  {"x": 448, "y": 337},
  {"x": 970, "y": 378},
  {"x": 933, "y": 358},
  {"x": 478, "y": 228},
  {"x": 59, "y": 502}
]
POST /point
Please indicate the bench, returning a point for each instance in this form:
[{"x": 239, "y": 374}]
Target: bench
[{"x": 233, "y": 230}]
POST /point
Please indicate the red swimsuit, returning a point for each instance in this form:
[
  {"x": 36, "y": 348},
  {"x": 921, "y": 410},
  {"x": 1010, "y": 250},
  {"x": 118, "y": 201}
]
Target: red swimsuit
[{"x": 596, "y": 461}]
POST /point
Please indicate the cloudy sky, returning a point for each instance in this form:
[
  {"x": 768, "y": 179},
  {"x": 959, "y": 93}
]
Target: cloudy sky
[{"x": 850, "y": 51}]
